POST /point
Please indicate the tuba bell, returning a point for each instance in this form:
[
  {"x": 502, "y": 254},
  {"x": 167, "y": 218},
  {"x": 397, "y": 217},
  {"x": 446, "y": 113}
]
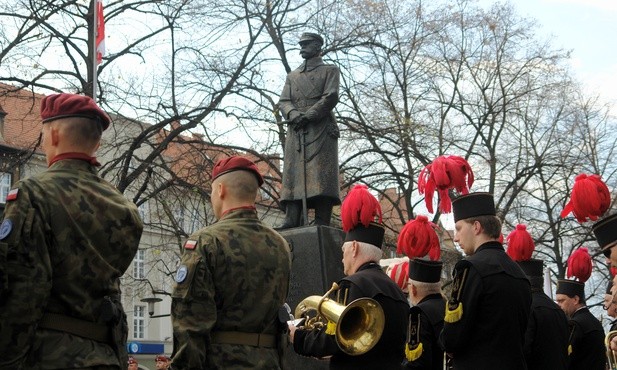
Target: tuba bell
[
  {"x": 610, "y": 354},
  {"x": 358, "y": 325}
]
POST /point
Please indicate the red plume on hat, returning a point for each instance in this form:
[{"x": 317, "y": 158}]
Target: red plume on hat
[
  {"x": 444, "y": 173},
  {"x": 579, "y": 265},
  {"x": 418, "y": 238},
  {"x": 359, "y": 207},
  {"x": 590, "y": 198},
  {"x": 520, "y": 244}
]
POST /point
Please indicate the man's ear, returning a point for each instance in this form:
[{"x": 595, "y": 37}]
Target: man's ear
[
  {"x": 414, "y": 290},
  {"x": 54, "y": 134},
  {"x": 477, "y": 227},
  {"x": 222, "y": 189}
]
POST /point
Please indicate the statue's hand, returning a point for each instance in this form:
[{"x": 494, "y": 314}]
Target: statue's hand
[{"x": 299, "y": 122}]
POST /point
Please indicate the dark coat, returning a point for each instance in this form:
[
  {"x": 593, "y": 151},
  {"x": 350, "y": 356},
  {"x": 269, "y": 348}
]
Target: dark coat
[
  {"x": 311, "y": 90},
  {"x": 369, "y": 281},
  {"x": 588, "y": 349},
  {"x": 546, "y": 339},
  {"x": 430, "y": 312},
  {"x": 493, "y": 297}
]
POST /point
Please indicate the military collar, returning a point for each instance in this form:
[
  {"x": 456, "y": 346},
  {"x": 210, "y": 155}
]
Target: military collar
[
  {"x": 73, "y": 163},
  {"x": 311, "y": 64},
  {"x": 490, "y": 245},
  {"x": 368, "y": 265},
  {"x": 431, "y": 296},
  {"x": 240, "y": 212},
  {"x": 581, "y": 310}
]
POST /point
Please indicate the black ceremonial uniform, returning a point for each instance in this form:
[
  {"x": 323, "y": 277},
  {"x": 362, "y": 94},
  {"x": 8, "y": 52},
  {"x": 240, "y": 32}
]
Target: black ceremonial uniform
[
  {"x": 546, "y": 340},
  {"x": 487, "y": 313},
  {"x": 613, "y": 325},
  {"x": 369, "y": 281},
  {"x": 588, "y": 350},
  {"x": 426, "y": 321}
]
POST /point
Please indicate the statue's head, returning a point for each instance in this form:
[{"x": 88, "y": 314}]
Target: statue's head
[{"x": 310, "y": 45}]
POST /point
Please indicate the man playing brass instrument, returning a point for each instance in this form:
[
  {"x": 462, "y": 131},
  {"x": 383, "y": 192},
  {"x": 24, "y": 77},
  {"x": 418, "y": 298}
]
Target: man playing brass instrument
[{"x": 364, "y": 278}]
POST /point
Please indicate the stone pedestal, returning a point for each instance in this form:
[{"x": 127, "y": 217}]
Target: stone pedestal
[{"x": 316, "y": 264}]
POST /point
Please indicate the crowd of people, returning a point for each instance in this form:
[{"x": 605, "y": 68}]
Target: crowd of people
[{"x": 68, "y": 236}]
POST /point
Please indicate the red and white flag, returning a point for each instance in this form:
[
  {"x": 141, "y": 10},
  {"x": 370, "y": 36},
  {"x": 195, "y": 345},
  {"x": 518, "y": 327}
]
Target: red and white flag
[{"x": 100, "y": 32}]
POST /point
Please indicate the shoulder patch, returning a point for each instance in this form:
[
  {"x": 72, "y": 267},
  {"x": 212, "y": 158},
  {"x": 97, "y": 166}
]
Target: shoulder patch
[
  {"x": 413, "y": 347},
  {"x": 12, "y": 195},
  {"x": 190, "y": 244},
  {"x": 181, "y": 273},
  {"x": 454, "y": 307},
  {"x": 5, "y": 228}
]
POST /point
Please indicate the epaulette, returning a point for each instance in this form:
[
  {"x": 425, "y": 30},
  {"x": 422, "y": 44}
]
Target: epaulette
[
  {"x": 413, "y": 347},
  {"x": 454, "y": 306}
]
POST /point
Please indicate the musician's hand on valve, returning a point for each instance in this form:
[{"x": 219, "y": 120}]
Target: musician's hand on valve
[
  {"x": 292, "y": 331},
  {"x": 614, "y": 343}
]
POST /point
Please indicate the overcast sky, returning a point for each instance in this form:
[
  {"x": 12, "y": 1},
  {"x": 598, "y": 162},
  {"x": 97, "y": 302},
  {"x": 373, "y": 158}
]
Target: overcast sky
[{"x": 589, "y": 29}]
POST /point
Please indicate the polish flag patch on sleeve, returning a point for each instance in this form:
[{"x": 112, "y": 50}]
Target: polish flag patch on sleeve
[
  {"x": 190, "y": 244},
  {"x": 12, "y": 195}
]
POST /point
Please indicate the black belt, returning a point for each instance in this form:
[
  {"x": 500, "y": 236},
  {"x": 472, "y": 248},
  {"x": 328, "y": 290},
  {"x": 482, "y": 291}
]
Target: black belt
[
  {"x": 71, "y": 325},
  {"x": 242, "y": 338}
]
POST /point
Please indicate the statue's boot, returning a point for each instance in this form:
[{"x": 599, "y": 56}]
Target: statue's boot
[
  {"x": 292, "y": 216},
  {"x": 323, "y": 213}
]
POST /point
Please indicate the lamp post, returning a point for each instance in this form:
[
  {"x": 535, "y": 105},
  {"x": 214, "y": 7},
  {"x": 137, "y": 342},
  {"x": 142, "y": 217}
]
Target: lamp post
[{"x": 151, "y": 301}]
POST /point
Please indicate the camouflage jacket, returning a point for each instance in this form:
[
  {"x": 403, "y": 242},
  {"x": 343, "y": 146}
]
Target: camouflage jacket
[
  {"x": 234, "y": 276},
  {"x": 66, "y": 238}
]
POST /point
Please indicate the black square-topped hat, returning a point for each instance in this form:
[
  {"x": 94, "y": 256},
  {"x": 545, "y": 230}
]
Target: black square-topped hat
[
  {"x": 532, "y": 267},
  {"x": 425, "y": 271},
  {"x": 605, "y": 231},
  {"x": 571, "y": 288},
  {"x": 473, "y": 205},
  {"x": 373, "y": 234}
]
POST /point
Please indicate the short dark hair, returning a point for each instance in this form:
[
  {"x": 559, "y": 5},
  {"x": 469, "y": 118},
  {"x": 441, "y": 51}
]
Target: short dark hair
[
  {"x": 83, "y": 130},
  {"x": 490, "y": 224}
]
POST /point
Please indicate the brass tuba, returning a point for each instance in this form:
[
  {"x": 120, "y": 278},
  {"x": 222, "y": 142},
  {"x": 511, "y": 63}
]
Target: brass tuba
[
  {"x": 610, "y": 354},
  {"x": 359, "y": 325}
]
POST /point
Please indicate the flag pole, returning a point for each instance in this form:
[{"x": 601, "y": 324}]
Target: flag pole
[{"x": 95, "y": 16}]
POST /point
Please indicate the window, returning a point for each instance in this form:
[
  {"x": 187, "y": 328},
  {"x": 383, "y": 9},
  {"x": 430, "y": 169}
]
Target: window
[
  {"x": 138, "y": 264},
  {"x": 178, "y": 214},
  {"x": 5, "y": 185},
  {"x": 264, "y": 194},
  {"x": 139, "y": 321},
  {"x": 144, "y": 212},
  {"x": 193, "y": 222}
]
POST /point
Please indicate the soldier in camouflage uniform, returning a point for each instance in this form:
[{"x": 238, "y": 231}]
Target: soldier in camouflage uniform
[
  {"x": 66, "y": 238},
  {"x": 231, "y": 282}
]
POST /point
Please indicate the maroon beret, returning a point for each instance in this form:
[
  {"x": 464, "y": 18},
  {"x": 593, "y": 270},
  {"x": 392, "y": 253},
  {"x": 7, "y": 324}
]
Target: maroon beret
[
  {"x": 72, "y": 105},
  {"x": 161, "y": 358},
  {"x": 132, "y": 360},
  {"x": 236, "y": 163}
]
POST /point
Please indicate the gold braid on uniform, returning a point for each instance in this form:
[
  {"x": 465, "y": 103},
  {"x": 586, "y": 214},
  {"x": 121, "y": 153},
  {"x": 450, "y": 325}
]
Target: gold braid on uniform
[
  {"x": 454, "y": 307},
  {"x": 413, "y": 347}
]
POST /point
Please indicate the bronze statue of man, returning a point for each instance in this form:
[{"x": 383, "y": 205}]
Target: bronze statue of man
[{"x": 308, "y": 98}]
